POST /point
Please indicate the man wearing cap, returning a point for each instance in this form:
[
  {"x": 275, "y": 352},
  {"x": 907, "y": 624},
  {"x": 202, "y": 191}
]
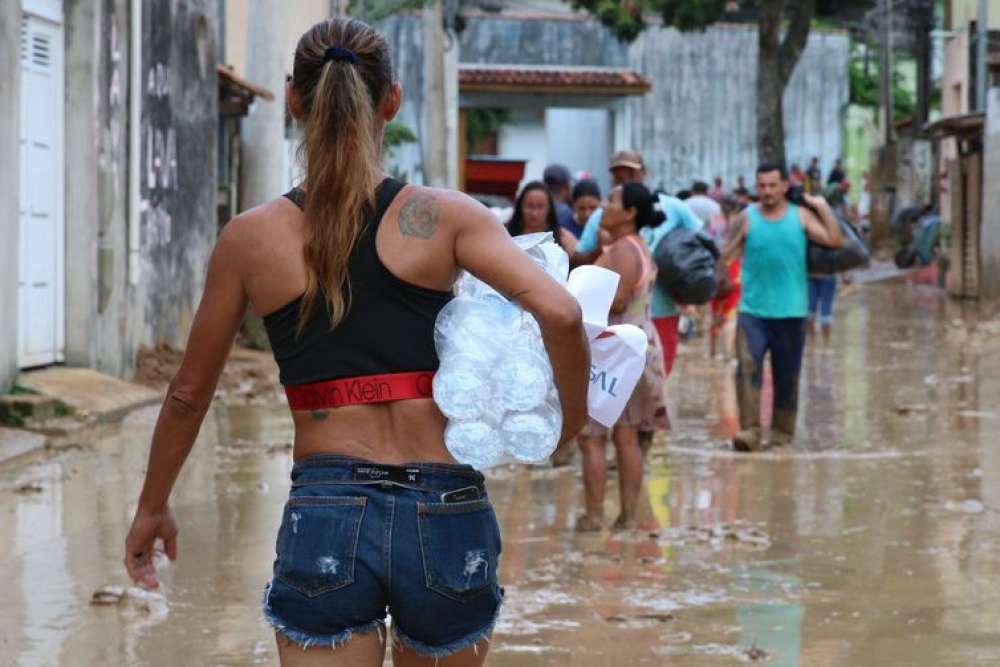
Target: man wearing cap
[
  {"x": 627, "y": 166},
  {"x": 559, "y": 183}
]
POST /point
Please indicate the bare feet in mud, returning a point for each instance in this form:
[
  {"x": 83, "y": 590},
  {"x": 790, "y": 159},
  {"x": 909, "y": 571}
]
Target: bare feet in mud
[
  {"x": 625, "y": 523},
  {"x": 588, "y": 523}
]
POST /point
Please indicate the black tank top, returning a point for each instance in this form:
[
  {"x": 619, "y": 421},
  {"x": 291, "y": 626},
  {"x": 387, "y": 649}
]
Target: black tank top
[{"x": 389, "y": 327}]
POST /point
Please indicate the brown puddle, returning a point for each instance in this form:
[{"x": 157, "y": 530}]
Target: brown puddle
[{"x": 873, "y": 541}]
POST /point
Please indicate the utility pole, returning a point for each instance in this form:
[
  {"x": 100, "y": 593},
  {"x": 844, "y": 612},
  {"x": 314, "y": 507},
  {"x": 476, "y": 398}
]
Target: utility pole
[
  {"x": 925, "y": 22},
  {"x": 982, "y": 52},
  {"x": 263, "y": 152},
  {"x": 885, "y": 71},
  {"x": 435, "y": 146}
]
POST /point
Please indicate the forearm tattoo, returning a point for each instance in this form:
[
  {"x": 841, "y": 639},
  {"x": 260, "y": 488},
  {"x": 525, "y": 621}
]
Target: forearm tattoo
[{"x": 419, "y": 216}]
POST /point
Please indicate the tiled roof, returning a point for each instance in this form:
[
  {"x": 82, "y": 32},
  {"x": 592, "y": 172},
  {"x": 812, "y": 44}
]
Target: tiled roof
[{"x": 526, "y": 78}]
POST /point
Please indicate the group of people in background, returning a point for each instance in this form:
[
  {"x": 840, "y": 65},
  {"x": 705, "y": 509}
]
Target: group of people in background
[{"x": 620, "y": 229}]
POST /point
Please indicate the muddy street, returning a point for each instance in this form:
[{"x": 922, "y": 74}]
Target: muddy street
[{"x": 874, "y": 541}]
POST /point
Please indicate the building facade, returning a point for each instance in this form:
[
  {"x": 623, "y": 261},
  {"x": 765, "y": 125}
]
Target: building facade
[
  {"x": 697, "y": 121},
  {"x": 109, "y": 113}
]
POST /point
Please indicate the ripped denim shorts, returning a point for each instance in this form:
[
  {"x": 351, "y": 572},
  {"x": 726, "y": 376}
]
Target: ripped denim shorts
[{"x": 359, "y": 538}]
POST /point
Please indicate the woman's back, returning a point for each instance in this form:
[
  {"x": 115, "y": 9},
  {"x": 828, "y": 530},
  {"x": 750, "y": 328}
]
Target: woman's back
[
  {"x": 345, "y": 293},
  {"x": 413, "y": 247}
]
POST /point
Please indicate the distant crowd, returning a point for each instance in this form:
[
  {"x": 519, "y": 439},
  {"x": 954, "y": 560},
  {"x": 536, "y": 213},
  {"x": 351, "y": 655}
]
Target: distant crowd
[{"x": 769, "y": 303}]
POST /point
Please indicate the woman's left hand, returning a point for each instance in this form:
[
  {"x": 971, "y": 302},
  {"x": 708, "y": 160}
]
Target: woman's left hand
[{"x": 146, "y": 528}]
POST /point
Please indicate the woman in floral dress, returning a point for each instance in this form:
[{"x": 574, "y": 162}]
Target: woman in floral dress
[{"x": 629, "y": 208}]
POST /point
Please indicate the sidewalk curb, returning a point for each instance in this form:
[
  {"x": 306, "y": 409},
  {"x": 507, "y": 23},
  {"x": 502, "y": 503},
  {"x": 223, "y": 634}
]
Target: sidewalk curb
[
  {"x": 15, "y": 443},
  {"x": 91, "y": 398}
]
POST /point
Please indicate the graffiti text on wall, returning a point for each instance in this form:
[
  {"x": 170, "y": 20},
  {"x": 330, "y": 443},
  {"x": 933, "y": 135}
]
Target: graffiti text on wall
[{"x": 161, "y": 158}]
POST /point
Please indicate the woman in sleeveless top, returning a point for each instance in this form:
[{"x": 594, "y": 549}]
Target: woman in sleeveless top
[
  {"x": 535, "y": 211},
  {"x": 629, "y": 208},
  {"x": 349, "y": 272}
]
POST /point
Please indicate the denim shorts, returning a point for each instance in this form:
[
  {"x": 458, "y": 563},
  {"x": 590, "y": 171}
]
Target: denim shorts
[{"x": 359, "y": 538}]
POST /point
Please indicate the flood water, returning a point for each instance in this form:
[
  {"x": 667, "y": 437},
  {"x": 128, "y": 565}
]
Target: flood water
[{"x": 874, "y": 541}]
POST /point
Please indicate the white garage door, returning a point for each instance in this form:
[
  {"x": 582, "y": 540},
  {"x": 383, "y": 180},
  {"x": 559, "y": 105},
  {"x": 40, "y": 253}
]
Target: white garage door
[{"x": 41, "y": 263}]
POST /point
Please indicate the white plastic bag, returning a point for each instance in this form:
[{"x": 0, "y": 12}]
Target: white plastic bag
[
  {"x": 617, "y": 353},
  {"x": 495, "y": 382}
]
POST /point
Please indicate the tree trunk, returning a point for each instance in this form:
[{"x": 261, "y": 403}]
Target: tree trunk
[
  {"x": 770, "y": 117},
  {"x": 776, "y": 60}
]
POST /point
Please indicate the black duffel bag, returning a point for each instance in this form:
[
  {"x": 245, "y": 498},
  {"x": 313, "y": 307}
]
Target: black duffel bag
[
  {"x": 852, "y": 255},
  {"x": 687, "y": 262}
]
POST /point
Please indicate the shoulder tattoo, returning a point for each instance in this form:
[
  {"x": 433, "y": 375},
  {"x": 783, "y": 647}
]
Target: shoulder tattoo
[{"x": 419, "y": 216}]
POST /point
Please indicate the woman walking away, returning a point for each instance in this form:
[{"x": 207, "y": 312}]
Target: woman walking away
[
  {"x": 349, "y": 272},
  {"x": 629, "y": 209},
  {"x": 535, "y": 211}
]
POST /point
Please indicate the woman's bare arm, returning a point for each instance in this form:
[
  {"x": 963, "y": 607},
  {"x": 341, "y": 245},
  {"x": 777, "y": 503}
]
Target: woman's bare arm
[
  {"x": 582, "y": 258},
  {"x": 486, "y": 250},
  {"x": 189, "y": 395},
  {"x": 627, "y": 263}
]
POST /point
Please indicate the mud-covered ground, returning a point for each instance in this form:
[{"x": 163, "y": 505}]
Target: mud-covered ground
[{"x": 874, "y": 541}]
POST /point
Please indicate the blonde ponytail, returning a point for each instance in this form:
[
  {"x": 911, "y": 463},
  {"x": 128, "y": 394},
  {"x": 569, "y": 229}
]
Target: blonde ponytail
[{"x": 341, "y": 150}]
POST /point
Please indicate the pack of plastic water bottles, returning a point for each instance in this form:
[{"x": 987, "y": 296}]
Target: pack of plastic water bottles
[{"x": 495, "y": 382}]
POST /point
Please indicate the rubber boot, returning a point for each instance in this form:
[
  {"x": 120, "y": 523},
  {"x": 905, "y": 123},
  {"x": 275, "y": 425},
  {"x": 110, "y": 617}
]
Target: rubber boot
[
  {"x": 748, "y": 439},
  {"x": 783, "y": 427}
]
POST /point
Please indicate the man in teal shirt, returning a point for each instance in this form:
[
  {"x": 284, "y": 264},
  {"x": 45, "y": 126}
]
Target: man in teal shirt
[{"x": 773, "y": 236}]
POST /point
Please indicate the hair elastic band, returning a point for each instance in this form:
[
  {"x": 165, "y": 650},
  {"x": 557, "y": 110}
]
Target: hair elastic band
[{"x": 339, "y": 54}]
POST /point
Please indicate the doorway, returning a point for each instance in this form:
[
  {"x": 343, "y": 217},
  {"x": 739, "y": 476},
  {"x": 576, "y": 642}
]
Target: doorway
[{"x": 41, "y": 218}]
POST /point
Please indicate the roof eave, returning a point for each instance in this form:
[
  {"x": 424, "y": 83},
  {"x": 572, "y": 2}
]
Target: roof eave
[{"x": 606, "y": 91}]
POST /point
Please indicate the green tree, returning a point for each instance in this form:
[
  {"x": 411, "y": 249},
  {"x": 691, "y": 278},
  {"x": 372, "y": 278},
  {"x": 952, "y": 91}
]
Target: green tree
[
  {"x": 864, "y": 82},
  {"x": 778, "y": 53}
]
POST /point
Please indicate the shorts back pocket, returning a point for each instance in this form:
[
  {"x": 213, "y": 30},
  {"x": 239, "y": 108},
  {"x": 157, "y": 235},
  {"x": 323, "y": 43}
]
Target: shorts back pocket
[
  {"x": 318, "y": 543},
  {"x": 460, "y": 545}
]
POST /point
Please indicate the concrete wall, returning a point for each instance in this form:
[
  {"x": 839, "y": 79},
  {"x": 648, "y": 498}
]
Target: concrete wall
[
  {"x": 10, "y": 68},
  {"x": 112, "y": 306},
  {"x": 525, "y": 139},
  {"x": 989, "y": 253},
  {"x": 563, "y": 129},
  {"x": 300, "y": 16},
  {"x": 961, "y": 12},
  {"x": 556, "y": 40},
  {"x": 179, "y": 123},
  {"x": 955, "y": 85},
  {"x": 90, "y": 184},
  {"x": 406, "y": 38},
  {"x": 700, "y": 118}
]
